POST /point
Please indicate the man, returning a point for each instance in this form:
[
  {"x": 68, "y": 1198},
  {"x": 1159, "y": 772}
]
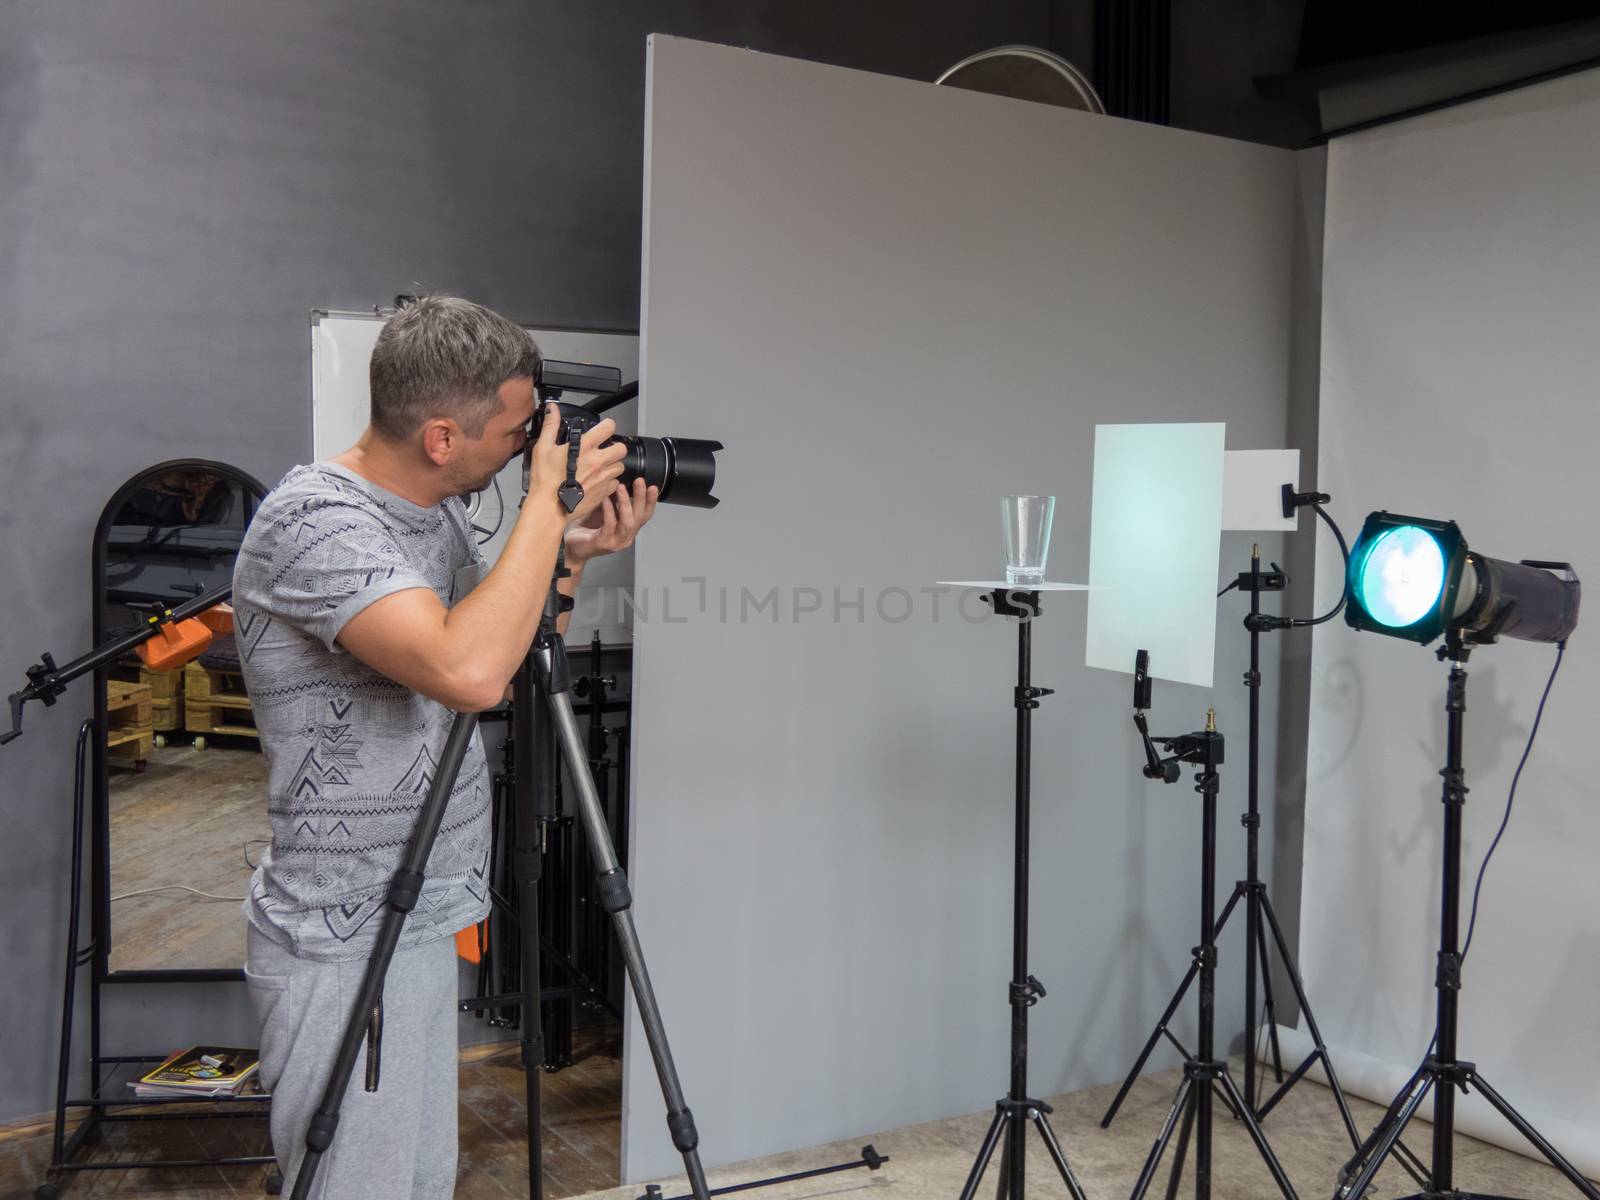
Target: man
[{"x": 364, "y": 617}]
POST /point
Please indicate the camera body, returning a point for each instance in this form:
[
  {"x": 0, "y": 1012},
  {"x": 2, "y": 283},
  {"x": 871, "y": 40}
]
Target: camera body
[{"x": 684, "y": 469}]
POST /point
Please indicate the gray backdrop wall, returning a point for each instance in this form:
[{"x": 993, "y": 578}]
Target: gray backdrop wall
[
  {"x": 895, "y": 303},
  {"x": 1460, "y": 314},
  {"x": 181, "y": 182}
]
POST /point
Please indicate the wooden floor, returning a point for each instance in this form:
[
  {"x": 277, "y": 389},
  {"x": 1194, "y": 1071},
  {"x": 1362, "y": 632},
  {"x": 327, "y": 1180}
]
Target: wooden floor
[
  {"x": 582, "y": 1137},
  {"x": 582, "y": 1129},
  {"x": 187, "y": 818}
]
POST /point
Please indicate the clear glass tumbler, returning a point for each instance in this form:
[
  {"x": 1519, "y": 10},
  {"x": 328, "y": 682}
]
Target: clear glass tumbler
[{"x": 1027, "y": 521}]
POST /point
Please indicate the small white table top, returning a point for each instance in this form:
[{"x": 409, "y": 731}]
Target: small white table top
[{"x": 1000, "y": 585}]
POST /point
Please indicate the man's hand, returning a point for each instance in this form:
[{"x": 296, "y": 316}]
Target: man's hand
[
  {"x": 598, "y": 465},
  {"x": 613, "y": 524}
]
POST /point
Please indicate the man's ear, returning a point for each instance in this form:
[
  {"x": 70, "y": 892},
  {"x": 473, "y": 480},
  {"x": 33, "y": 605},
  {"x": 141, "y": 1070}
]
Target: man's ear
[{"x": 441, "y": 439}]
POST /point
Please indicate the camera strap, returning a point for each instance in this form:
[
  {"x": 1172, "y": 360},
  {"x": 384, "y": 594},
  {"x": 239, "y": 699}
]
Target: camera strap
[{"x": 571, "y": 492}]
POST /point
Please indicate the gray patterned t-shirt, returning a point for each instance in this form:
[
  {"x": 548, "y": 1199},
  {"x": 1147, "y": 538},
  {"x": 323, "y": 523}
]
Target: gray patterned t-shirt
[{"x": 350, "y": 753}]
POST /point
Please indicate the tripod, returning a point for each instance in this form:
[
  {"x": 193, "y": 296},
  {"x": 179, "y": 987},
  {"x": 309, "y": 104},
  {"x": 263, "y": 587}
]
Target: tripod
[
  {"x": 1016, "y": 1110},
  {"x": 1203, "y": 1073},
  {"x": 1442, "y": 1072},
  {"x": 551, "y": 677},
  {"x": 1260, "y": 917}
]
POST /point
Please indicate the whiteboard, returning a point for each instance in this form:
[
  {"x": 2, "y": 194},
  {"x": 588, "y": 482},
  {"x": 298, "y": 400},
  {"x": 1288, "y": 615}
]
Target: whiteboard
[{"x": 341, "y": 350}]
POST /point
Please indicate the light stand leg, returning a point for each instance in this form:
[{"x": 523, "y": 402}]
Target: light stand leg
[
  {"x": 1269, "y": 1007},
  {"x": 1175, "y": 1180},
  {"x": 997, "y": 1127},
  {"x": 1384, "y": 1141},
  {"x": 1260, "y": 1139},
  {"x": 1535, "y": 1139},
  {"x": 1057, "y": 1155},
  {"x": 1180, "y": 1106},
  {"x": 1160, "y": 1031},
  {"x": 617, "y": 899}
]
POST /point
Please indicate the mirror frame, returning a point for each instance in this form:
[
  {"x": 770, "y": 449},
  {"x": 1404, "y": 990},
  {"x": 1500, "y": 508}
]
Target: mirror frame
[{"x": 101, "y": 842}]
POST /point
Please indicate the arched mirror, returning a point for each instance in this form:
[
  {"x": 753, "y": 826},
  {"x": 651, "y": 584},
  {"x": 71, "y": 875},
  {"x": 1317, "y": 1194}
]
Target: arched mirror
[{"x": 180, "y": 785}]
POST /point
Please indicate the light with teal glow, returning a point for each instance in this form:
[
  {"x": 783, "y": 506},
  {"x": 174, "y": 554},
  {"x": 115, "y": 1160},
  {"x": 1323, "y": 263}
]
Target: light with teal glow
[{"x": 1401, "y": 577}]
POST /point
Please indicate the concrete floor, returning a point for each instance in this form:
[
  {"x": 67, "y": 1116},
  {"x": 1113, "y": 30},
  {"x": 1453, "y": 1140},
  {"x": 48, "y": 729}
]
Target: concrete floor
[{"x": 933, "y": 1160}]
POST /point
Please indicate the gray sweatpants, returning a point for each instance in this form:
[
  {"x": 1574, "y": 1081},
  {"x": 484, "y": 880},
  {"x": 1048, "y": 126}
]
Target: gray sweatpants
[{"x": 397, "y": 1142}]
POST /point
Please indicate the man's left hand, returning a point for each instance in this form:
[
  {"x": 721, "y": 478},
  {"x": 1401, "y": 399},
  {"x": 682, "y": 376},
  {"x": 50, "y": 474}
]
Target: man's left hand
[{"x": 613, "y": 524}]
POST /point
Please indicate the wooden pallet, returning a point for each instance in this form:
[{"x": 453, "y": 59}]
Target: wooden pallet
[
  {"x": 130, "y": 733},
  {"x": 163, "y": 685},
  {"x": 166, "y": 715},
  {"x": 208, "y": 683},
  {"x": 134, "y": 745},
  {"x": 227, "y": 715}
]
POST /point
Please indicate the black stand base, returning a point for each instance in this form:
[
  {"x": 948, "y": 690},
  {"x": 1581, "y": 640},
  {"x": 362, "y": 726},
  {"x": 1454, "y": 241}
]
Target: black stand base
[
  {"x": 1202, "y": 1081},
  {"x": 1255, "y": 892},
  {"x": 870, "y": 1159},
  {"x": 1386, "y": 1137},
  {"x": 1011, "y": 1121}
]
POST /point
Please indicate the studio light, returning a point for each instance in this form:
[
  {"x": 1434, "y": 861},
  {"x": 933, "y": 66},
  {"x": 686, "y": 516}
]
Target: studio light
[{"x": 1414, "y": 578}]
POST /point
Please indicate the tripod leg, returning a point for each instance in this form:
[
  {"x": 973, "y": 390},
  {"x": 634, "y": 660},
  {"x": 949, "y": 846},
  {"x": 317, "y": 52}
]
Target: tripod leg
[
  {"x": 1551, "y": 1154},
  {"x": 618, "y": 901},
  {"x": 1149, "y": 1046},
  {"x": 1408, "y": 1160},
  {"x": 1161, "y": 1025},
  {"x": 1227, "y": 1100},
  {"x": 1002, "y": 1187},
  {"x": 1311, "y": 1022},
  {"x": 1260, "y": 1139},
  {"x": 990, "y": 1141},
  {"x": 1382, "y": 1142},
  {"x": 1180, "y": 1104},
  {"x": 534, "y": 792},
  {"x": 1181, "y": 1153},
  {"x": 1270, "y": 1008},
  {"x": 403, "y": 892},
  {"x": 1058, "y": 1156}
]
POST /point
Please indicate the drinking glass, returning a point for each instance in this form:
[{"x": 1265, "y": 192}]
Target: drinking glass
[{"x": 1027, "y": 522}]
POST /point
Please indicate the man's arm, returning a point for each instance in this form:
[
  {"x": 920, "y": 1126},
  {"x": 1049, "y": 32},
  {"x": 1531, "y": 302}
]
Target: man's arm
[{"x": 464, "y": 657}]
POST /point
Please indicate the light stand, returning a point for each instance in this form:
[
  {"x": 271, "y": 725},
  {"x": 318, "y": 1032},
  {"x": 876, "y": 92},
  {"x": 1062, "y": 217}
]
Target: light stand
[
  {"x": 1016, "y": 1110},
  {"x": 1260, "y": 916},
  {"x": 1203, "y": 1072},
  {"x": 1442, "y": 1072}
]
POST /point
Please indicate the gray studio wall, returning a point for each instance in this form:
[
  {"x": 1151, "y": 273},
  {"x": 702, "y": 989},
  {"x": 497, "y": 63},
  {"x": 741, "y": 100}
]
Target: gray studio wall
[
  {"x": 180, "y": 182},
  {"x": 895, "y": 303}
]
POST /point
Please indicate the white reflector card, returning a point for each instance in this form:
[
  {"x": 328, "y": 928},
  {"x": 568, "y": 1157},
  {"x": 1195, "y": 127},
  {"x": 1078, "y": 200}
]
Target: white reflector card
[
  {"x": 1252, "y": 489},
  {"x": 1155, "y": 534}
]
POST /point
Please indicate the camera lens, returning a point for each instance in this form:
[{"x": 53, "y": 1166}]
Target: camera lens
[{"x": 685, "y": 469}]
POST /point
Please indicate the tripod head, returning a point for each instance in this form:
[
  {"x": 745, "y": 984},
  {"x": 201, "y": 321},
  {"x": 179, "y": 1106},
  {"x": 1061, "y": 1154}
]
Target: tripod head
[{"x": 1204, "y": 748}]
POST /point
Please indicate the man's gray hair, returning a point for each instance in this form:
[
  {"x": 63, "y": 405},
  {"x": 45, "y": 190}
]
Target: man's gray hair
[{"x": 441, "y": 356}]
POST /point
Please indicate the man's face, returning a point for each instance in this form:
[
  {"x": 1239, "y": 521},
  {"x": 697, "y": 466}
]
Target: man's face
[{"x": 504, "y": 436}]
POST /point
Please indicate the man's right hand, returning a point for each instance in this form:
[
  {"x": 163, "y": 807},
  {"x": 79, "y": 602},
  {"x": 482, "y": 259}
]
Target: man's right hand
[{"x": 599, "y": 467}]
